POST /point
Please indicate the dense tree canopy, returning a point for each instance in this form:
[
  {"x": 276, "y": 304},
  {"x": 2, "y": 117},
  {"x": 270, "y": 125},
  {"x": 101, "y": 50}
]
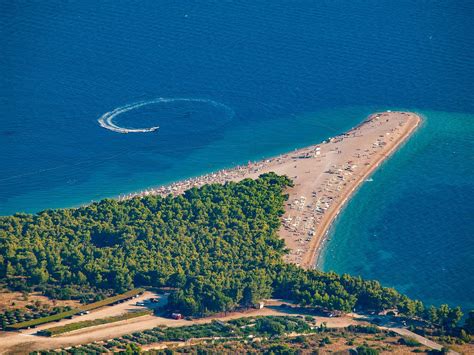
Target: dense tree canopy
[
  {"x": 217, "y": 246},
  {"x": 217, "y": 239}
]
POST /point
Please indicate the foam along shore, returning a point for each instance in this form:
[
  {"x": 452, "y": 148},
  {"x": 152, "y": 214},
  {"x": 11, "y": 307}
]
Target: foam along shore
[{"x": 324, "y": 175}]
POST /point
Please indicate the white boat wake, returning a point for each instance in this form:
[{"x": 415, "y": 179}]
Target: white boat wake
[{"x": 107, "y": 120}]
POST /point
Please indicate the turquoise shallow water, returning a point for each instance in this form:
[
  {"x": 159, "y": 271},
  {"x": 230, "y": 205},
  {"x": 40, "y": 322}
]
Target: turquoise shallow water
[
  {"x": 412, "y": 226},
  {"x": 292, "y": 73}
]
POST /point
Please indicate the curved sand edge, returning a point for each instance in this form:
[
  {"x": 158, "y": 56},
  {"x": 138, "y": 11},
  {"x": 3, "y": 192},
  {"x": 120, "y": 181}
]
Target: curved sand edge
[
  {"x": 315, "y": 249},
  {"x": 325, "y": 176}
]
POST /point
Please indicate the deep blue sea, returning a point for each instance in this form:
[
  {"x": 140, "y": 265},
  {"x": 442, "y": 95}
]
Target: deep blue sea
[{"x": 232, "y": 81}]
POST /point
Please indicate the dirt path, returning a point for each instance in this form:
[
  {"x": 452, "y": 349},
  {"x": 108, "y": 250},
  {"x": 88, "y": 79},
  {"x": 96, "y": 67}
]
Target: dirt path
[
  {"x": 425, "y": 341},
  {"x": 325, "y": 176},
  {"x": 25, "y": 342}
]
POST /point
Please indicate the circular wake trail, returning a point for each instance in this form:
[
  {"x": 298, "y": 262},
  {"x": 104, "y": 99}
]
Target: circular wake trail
[{"x": 107, "y": 120}]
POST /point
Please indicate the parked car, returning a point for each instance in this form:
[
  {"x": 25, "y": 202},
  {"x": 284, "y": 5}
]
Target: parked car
[{"x": 176, "y": 316}]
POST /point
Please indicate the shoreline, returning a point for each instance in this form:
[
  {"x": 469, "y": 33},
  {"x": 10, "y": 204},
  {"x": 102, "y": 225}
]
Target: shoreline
[
  {"x": 314, "y": 248},
  {"x": 315, "y": 252},
  {"x": 327, "y": 175}
]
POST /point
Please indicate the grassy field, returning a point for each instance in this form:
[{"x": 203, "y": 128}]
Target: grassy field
[
  {"x": 87, "y": 307},
  {"x": 90, "y": 323}
]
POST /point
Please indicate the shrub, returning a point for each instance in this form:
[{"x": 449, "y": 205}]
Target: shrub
[
  {"x": 409, "y": 342},
  {"x": 366, "y": 350}
]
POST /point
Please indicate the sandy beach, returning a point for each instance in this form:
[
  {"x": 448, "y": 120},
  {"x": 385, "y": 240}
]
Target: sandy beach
[{"x": 325, "y": 176}]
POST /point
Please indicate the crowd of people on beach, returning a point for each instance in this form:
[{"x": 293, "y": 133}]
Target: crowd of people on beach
[
  {"x": 219, "y": 177},
  {"x": 304, "y": 214}
]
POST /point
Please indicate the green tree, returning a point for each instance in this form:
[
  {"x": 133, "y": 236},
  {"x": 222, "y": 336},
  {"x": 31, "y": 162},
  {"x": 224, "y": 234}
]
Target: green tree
[
  {"x": 132, "y": 349},
  {"x": 454, "y": 316},
  {"x": 464, "y": 336},
  {"x": 469, "y": 323}
]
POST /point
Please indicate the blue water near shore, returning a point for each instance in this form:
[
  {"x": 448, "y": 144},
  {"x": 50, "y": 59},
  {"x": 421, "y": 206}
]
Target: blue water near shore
[
  {"x": 410, "y": 225},
  {"x": 292, "y": 74}
]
